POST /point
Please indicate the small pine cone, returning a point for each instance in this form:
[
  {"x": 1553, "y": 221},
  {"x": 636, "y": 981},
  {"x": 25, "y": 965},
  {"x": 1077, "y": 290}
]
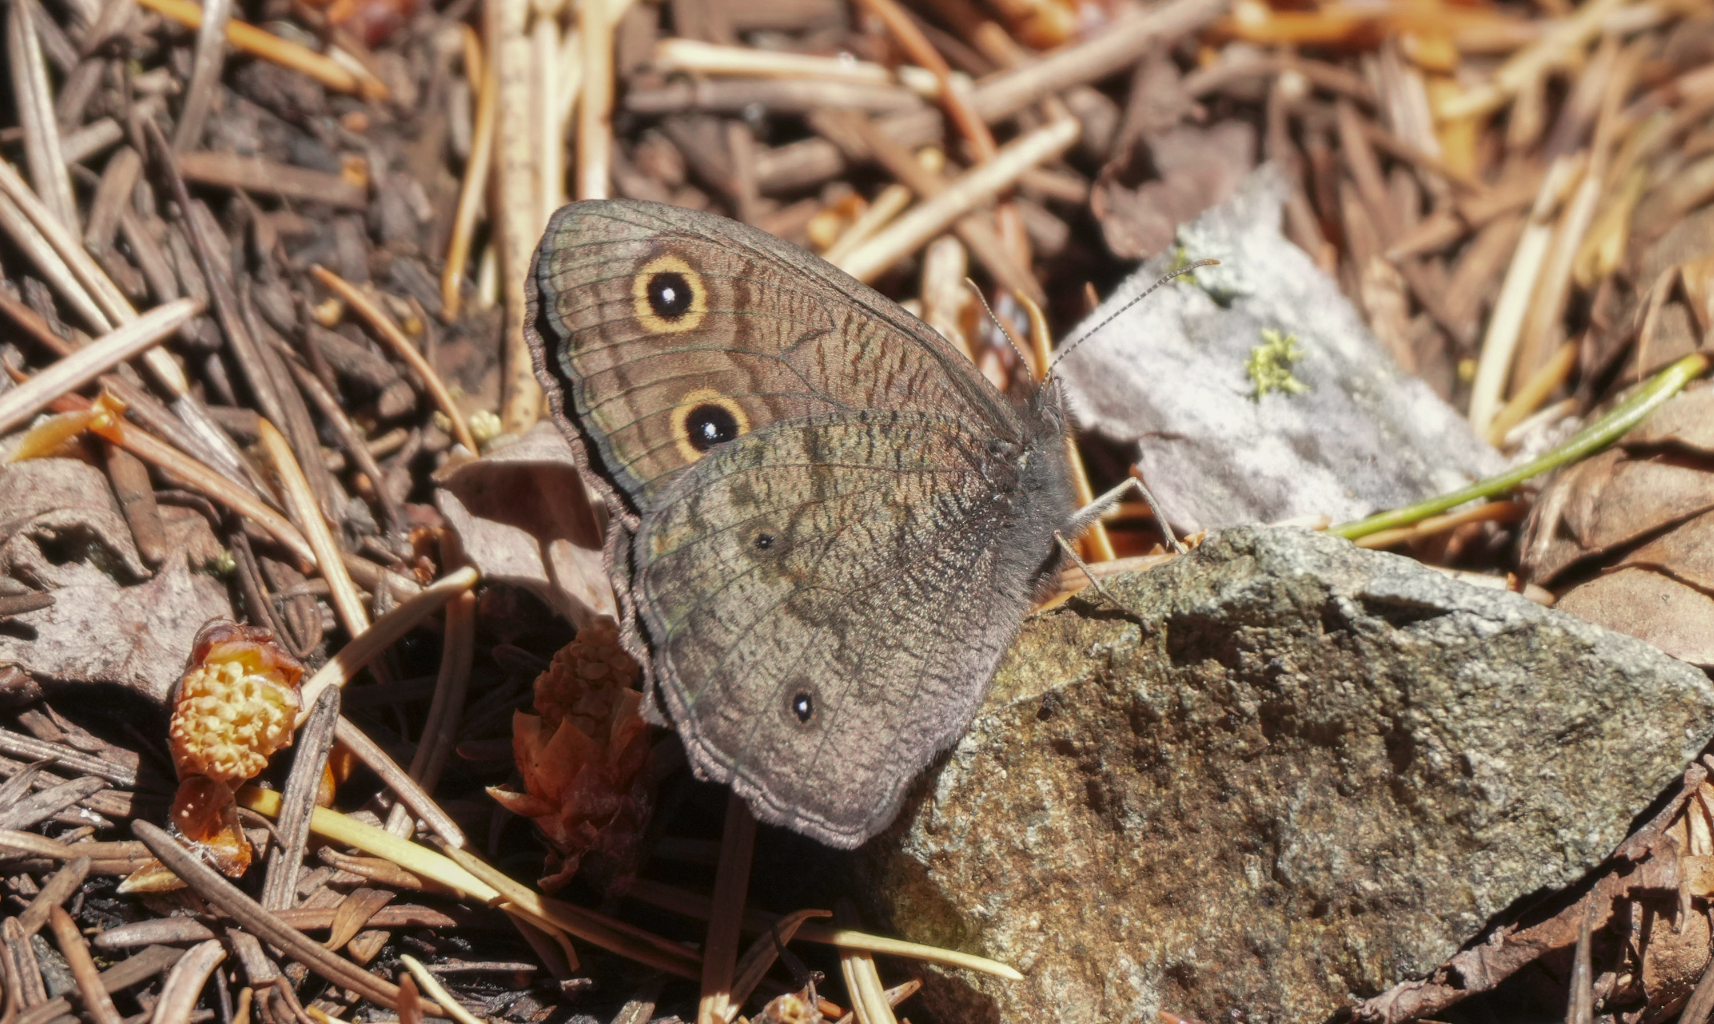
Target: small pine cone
[
  {"x": 236, "y": 704},
  {"x": 585, "y": 679}
]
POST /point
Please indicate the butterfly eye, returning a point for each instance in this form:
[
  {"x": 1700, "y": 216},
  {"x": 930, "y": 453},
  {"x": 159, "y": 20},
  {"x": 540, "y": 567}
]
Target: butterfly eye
[
  {"x": 764, "y": 541},
  {"x": 668, "y": 295},
  {"x": 803, "y": 706}
]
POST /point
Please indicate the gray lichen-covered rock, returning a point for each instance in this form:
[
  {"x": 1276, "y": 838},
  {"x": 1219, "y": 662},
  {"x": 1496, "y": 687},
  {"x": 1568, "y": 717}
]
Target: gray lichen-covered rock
[
  {"x": 1171, "y": 376},
  {"x": 1312, "y": 771}
]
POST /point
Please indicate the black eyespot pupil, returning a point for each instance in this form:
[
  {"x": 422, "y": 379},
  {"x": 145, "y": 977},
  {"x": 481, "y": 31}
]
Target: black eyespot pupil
[
  {"x": 709, "y": 425},
  {"x": 764, "y": 541},
  {"x": 803, "y": 707},
  {"x": 669, "y": 295}
]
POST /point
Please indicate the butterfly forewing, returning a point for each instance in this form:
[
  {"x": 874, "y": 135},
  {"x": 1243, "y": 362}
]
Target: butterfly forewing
[{"x": 666, "y": 325}]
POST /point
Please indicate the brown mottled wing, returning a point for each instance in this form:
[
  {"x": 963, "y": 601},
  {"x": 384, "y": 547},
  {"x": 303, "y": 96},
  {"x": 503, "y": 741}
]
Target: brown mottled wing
[
  {"x": 827, "y": 602},
  {"x": 777, "y": 332},
  {"x": 880, "y": 600}
]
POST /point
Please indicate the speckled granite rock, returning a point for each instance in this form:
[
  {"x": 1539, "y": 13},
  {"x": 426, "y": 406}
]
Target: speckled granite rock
[{"x": 1314, "y": 771}]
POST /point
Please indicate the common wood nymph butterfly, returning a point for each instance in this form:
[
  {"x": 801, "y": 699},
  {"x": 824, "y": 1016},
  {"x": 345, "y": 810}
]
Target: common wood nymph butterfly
[{"x": 826, "y": 524}]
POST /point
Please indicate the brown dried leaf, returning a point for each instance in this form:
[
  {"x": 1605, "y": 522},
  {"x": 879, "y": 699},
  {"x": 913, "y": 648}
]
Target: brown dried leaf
[
  {"x": 350, "y": 916},
  {"x": 525, "y": 518},
  {"x": 63, "y": 504},
  {"x": 1196, "y": 168},
  {"x": 1674, "y": 956},
  {"x": 97, "y": 631},
  {"x": 1649, "y": 606},
  {"x": 1685, "y": 553},
  {"x": 1617, "y": 498},
  {"x": 1687, "y": 420}
]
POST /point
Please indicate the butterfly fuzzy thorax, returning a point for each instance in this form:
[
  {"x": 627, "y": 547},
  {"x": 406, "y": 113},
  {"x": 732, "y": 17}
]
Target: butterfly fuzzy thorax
[{"x": 826, "y": 525}]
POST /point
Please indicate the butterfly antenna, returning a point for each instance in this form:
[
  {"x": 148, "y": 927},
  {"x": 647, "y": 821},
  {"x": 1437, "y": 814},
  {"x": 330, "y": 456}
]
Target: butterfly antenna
[
  {"x": 983, "y": 299},
  {"x": 1116, "y": 313}
]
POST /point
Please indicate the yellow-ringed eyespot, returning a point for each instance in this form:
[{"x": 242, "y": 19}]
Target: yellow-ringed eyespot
[
  {"x": 704, "y": 418},
  {"x": 668, "y": 295}
]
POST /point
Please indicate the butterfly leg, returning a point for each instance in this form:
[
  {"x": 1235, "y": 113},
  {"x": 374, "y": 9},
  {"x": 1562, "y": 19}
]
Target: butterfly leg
[
  {"x": 1099, "y": 507},
  {"x": 1094, "y": 581}
]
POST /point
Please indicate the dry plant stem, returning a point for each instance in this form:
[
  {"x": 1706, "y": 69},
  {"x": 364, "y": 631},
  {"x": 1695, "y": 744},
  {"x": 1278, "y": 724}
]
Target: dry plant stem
[
  {"x": 96, "y": 1002},
  {"x": 383, "y": 632},
  {"x": 595, "y": 112},
  {"x": 183, "y": 987},
  {"x": 955, "y": 102},
  {"x": 181, "y": 929},
  {"x": 113, "y": 307},
  {"x": 23, "y": 966},
  {"x": 390, "y": 332},
  {"x": 201, "y": 478},
  {"x": 440, "y": 729},
  {"x": 205, "y": 73},
  {"x": 436, "y": 991},
  {"x": 976, "y": 230},
  {"x": 977, "y": 186},
  {"x": 1547, "y": 312},
  {"x": 124, "y": 974},
  {"x": 899, "y": 993},
  {"x": 461, "y": 871},
  {"x": 40, "y": 806},
  {"x": 34, "y": 97},
  {"x": 519, "y": 208},
  {"x": 1534, "y": 392},
  {"x": 66, "y": 881},
  {"x": 58, "y": 276},
  {"x": 862, "y": 981},
  {"x": 470, "y": 193},
  {"x": 570, "y": 79},
  {"x": 1116, "y": 47},
  {"x": 1591, "y": 439},
  {"x": 548, "y": 132},
  {"x": 753, "y": 966},
  {"x": 1506, "y": 323},
  {"x": 606, "y": 932},
  {"x": 1555, "y": 47},
  {"x": 1112, "y": 49},
  {"x": 392, "y": 516},
  {"x": 314, "y": 740},
  {"x": 731, "y": 886},
  {"x": 91, "y": 361},
  {"x": 695, "y": 57},
  {"x": 92, "y": 281},
  {"x": 254, "y": 174},
  {"x": 303, "y": 505},
  {"x": 410, "y": 1004},
  {"x": 696, "y": 905},
  {"x": 553, "y": 948},
  {"x": 33, "y": 324},
  {"x": 228, "y": 899},
  {"x": 266, "y": 45},
  {"x": 32, "y": 749},
  {"x": 403, "y": 786},
  {"x": 136, "y": 494},
  {"x": 889, "y": 203},
  {"x": 1490, "y": 512}
]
